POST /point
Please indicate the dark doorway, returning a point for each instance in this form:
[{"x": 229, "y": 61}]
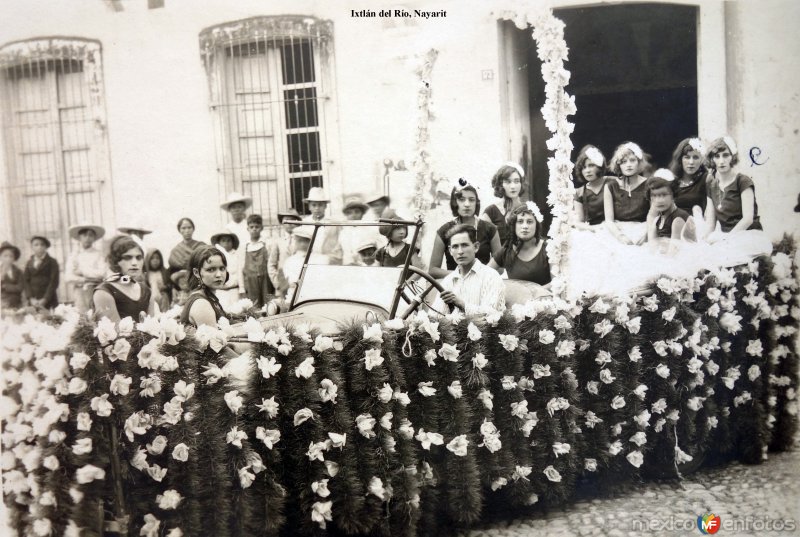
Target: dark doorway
[{"x": 634, "y": 77}]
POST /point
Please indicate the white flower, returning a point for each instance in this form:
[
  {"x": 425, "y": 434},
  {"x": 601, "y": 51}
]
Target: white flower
[
  {"x": 669, "y": 314},
  {"x": 521, "y": 472},
  {"x": 592, "y": 419},
  {"x": 119, "y": 351},
  {"x": 372, "y": 358},
  {"x": 150, "y": 385},
  {"x": 681, "y": 456},
  {"x": 661, "y": 347},
  {"x": 486, "y": 397},
  {"x": 635, "y": 458},
  {"x": 339, "y": 440},
  {"x": 322, "y": 344},
  {"x": 321, "y": 512},
  {"x": 642, "y": 419},
  {"x": 426, "y": 389},
  {"x": 479, "y": 361},
  {"x": 386, "y": 421},
  {"x": 169, "y": 500},
  {"x": 552, "y": 474},
  {"x": 519, "y": 409},
  {"x": 712, "y": 422},
  {"x": 183, "y": 391},
  {"x": 603, "y": 328},
  {"x": 712, "y": 367},
  {"x": 77, "y": 386},
  {"x": 560, "y": 448},
  {"x": 137, "y": 423},
  {"x": 592, "y": 387},
  {"x": 82, "y": 446},
  {"x": 157, "y": 446},
  {"x": 328, "y": 391},
  {"x": 673, "y": 415},
  {"x": 509, "y": 342},
  {"x": 84, "y": 421},
  {"x": 634, "y": 325},
  {"x": 546, "y": 337},
  {"x": 268, "y": 366},
  {"x": 50, "y": 462},
  {"x": 449, "y": 352},
  {"x": 662, "y": 371},
  {"x": 235, "y": 436},
  {"x": 473, "y": 333},
  {"x": 540, "y": 371},
  {"x": 149, "y": 357},
  {"x": 742, "y": 399},
  {"x": 603, "y": 357},
  {"x": 499, "y": 483},
  {"x": 402, "y": 397},
  {"x": 565, "y": 348},
  {"x": 606, "y": 377},
  {"x": 659, "y": 425},
  {"x": 531, "y": 420},
  {"x": 730, "y": 322},
  {"x": 455, "y": 389},
  {"x": 428, "y": 439},
  {"x": 214, "y": 373},
  {"x": 320, "y": 488},
  {"x": 151, "y": 526},
  {"x": 508, "y": 382},
  {"x": 635, "y": 354},
  {"x": 246, "y": 477},
  {"x": 659, "y": 406},
  {"x": 89, "y": 473},
  {"x": 270, "y": 437},
  {"x": 234, "y": 401},
  {"x": 600, "y": 307},
  {"x": 101, "y": 406},
  {"x": 430, "y": 357},
  {"x": 561, "y": 323},
  {"x": 79, "y": 361},
  {"x": 120, "y": 385},
  {"x": 406, "y": 430},
  {"x": 105, "y": 331},
  {"x": 373, "y": 333},
  {"x": 366, "y": 424},
  {"x": 615, "y": 447},
  {"x": 180, "y": 452},
  {"x": 385, "y": 393},
  {"x": 302, "y": 415},
  {"x": 590, "y": 465},
  {"x": 305, "y": 369},
  {"x": 557, "y": 403},
  {"x": 618, "y": 402},
  {"x": 269, "y": 406},
  {"x": 754, "y": 348},
  {"x": 42, "y": 527},
  {"x": 639, "y": 438}
]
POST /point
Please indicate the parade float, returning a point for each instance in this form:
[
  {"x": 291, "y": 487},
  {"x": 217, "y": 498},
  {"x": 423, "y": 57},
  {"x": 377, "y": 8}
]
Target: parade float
[{"x": 409, "y": 426}]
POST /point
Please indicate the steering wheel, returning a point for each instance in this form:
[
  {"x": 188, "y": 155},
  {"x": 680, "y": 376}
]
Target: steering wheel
[{"x": 418, "y": 297}]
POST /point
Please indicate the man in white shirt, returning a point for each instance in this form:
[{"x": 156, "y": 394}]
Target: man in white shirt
[
  {"x": 473, "y": 287},
  {"x": 87, "y": 266},
  {"x": 327, "y": 240}
]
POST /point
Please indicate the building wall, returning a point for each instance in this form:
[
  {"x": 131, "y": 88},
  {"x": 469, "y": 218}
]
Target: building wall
[{"x": 161, "y": 136}]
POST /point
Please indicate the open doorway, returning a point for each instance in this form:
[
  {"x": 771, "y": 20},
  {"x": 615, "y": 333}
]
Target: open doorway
[{"x": 633, "y": 74}]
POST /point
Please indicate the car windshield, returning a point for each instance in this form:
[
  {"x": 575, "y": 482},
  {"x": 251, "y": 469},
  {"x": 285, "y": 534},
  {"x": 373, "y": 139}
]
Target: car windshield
[{"x": 371, "y": 285}]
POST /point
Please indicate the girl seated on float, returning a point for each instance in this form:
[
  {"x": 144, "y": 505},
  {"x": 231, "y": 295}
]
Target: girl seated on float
[
  {"x": 589, "y": 170},
  {"x": 625, "y": 198},
  {"x": 687, "y": 167},
  {"x": 524, "y": 255},
  {"x": 396, "y": 250},
  {"x": 465, "y": 206},
  {"x": 665, "y": 219},
  {"x": 121, "y": 295},
  {"x": 508, "y": 185},
  {"x": 208, "y": 272}
]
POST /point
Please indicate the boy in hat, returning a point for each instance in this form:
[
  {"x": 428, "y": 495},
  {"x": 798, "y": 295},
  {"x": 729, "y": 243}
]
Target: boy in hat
[
  {"x": 255, "y": 276},
  {"x": 11, "y": 283},
  {"x": 228, "y": 243},
  {"x": 86, "y": 266},
  {"x": 294, "y": 263},
  {"x": 366, "y": 253},
  {"x": 281, "y": 248},
  {"x": 181, "y": 281},
  {"x": 237, "y": 206},
  {"x": 327, "y": 239},
  {"x": 137, "y": 233},
  {"x": 41, "y": 275}
]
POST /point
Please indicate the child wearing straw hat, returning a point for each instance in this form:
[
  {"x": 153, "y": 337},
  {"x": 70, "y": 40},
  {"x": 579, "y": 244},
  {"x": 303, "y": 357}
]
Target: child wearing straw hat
[
  {"x": 236, "y": 205},
  {"x": 86, "y": 266},
  {"x": 327, "y": 239},
  {"x": 228, "y": 243},
  {"x": 281, "y": 248},
  {"x": 11, "y": 283}
]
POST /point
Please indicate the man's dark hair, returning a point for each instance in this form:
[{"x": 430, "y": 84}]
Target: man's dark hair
[{"x": 462, "y": 228}]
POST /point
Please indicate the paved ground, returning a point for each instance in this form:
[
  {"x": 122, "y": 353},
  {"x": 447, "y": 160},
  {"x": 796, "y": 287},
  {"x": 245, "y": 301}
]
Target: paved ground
[{"x": 750, "y": 501}]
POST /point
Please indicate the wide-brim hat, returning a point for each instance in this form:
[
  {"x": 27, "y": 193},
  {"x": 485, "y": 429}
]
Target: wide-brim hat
[
  {"x": 127, "y": 230},
  {"x": 8, "y": 246},
  {"x": 288, "y": 212},
  {"x": 303, "y": 232},
  {"x": 366, "y": 244},
  {"x": 176, "y": 277},
  {"x": 75, "y": 230},
  {"x": 376, "y": 196},
  {"x": 41, "y": 238},
  {"x": 225, "y": 233},
  {"x": 235, "y": 197},
  {"x": 355, "y": 201},
  {"x": 316, "y": 194}
]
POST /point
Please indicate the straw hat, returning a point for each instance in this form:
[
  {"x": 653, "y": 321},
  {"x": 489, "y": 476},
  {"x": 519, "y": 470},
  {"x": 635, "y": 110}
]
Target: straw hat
[
  {"x": 376, "y": 196},
  {"x": 317, "y": 194},
  {"x": 355, "y": 201},
  {"x": 75, "y": 230},
  {"x": 304, "y": 232},
  {"x": 178, "y": 276},
  {"x": 366, "y": 245},
  {"x": 134, "y": 229},
  {"x": 41, "y": 238},
  {"x": 235, "y": 197},
  {"x": 8, "y": 246},
  {"x": 288, "y": 212},
  {"x": 225, "y": 233}
]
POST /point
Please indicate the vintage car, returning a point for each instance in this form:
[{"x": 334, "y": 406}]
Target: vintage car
[{"x": 325, "y": 296}]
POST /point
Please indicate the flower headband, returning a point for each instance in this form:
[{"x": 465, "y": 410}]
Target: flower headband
[
  {"x": 517, "y": 167},
  {"x": 731, "y": 144},
  {"x": 461, "y": 183},
  {"x": 665, "y": 174},
  {"x": 633, "y": 148},
  {"x": 697, "y": 145},
  {"x": 534, "y": 209},
  {"x": 595, "y": 156}
]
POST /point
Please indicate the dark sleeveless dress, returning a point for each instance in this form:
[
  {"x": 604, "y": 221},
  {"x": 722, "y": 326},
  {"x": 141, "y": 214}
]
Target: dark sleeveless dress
[
  {"x": 387, "y": 260},
  {"x": 728, "y": 204},
  {"x": 486, "y": 231},
  {"x": 593, "y": 204},
  {"x": 198, "y": 295},
  {"x": 127, "y": 307},
  {"x": 537, "y": 270},
  {"x": 694, "y": 194},
  {"x": 629, "y": 208},
  {"x": 664, "y": 222},
  {"x": 499, "y": 221}
]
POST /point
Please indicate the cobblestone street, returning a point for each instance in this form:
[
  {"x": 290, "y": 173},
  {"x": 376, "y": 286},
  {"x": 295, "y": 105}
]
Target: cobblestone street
[{"x": 749, "y": 500}]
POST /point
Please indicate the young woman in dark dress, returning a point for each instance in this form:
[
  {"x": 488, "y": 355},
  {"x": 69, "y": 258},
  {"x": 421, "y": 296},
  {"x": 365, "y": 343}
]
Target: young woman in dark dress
[
  {"x": 465, "y": 205},
  {"x": 11, "y": 284},
  {"x": 121, "y": 295},
  {"x": 625, "y": 198},
  {"x": 589, "y": 171},
  {"x": 524, "y": 256},
  {"x": 665, "y": 219},
  {"x": 509, "y": 186},
  {"x": 687, "y": 166},
  {"x": 208, "y": 271}
]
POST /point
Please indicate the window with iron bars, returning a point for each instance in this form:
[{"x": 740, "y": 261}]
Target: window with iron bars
[
  {"x": 269, "y": 102},
  {"x": 53, "y": 121}
]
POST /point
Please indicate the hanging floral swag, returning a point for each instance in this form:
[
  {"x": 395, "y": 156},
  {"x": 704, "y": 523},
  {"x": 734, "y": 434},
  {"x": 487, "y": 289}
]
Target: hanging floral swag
[{"x": 401, "y": 428}]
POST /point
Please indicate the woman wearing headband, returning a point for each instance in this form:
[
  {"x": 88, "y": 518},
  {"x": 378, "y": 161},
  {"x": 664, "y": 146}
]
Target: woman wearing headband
[
  {"x": 524, "y": 256},
  {"x": 121, "y": 295},
  {"x": 508, "y": 185},
  {"x": 589, "y": 199},
  {"x": 687, "y": 166},
  {"x": 625, "y": 198},
  {"x": 465, "y": 206}
]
